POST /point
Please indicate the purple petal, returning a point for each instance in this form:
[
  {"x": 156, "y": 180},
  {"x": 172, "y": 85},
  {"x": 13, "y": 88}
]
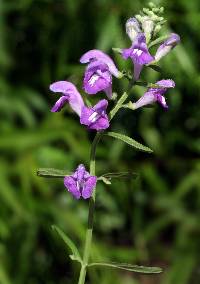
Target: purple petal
[
  {"x": 71, "y": 185},
  {"x": 166, "y": 83},
  {"x": 173, "y": 40},
  {"x": 146, "y": 99},
  {"x": 97, "y": 78},
  {"x": 59, "y": 104},
  {"x": 101, "y": 106},
  {"x": 167, "y": 46},
  {"x": 139, "y": 54},
  {"x": 80, "y": 172},
  {"x": 137, "y": 70},
  {"x": 96, "y": 54},
  {"x": 72, "y": 95},
  {"x": 76, "y": 102},
  {"x": 62, "y": 87},
  {"x": 95, "y": 118},
  {"x": 89, "y": 186},
  {"x": 126, "y": 53},
  {"x": 161, "y": 100},
  {"x": 108, "y": 91}
]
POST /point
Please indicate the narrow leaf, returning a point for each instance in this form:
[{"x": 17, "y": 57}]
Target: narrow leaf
[
  {"x": 129, "y": 175},
  {"x": 155, "y": 68},
  {"x": 75, "y": 253},
  {"x": 105, "y": 180},
  {"x": 117, "y": 50},
  {"x": 158, "y": 40},
  {"x": 129, "y": 267},
  {"x": 129, "y": 141},
  {"x": 52, "y": 173}
]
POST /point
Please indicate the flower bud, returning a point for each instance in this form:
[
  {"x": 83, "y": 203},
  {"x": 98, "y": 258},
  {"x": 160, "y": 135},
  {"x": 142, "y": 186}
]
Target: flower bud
[
  {"x": 167, "y": 46},
  {"x": 148, "y": 27},
  {"x": 132, "y": 28},
  {"x": 157, "y": 29}
]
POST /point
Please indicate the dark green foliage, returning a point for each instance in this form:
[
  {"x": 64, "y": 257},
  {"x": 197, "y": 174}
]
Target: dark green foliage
[{"x": 153, "y": 220}]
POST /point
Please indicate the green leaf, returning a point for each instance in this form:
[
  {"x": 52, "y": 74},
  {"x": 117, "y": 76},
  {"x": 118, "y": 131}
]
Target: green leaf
[
  {"x": 158, "y": 40},
  {"x": 129, "y": 141},
  {"x": 129, "y": 175},
  {"x": 75, "y": 253},
  {"x": 117, "y": 50},
  {"x": 52, "y": 173},
  {"x": 105, "y": 180},
  {"x": 129, "y": 267},
  {"x": 155, "y": 68}
]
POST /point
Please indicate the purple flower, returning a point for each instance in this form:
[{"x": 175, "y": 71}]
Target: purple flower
[
  {"x": 132, "y": 28},
  {"x": 70, "y": 95},
  {"x": 167, "y": 46},
  {"x": 139, "y": 54},
  {"x": 98, "y": 74},
  {"x": 80, "y": 183},
  {"x": 95, "y": 118},
  {"x": 155, "y": 94}
]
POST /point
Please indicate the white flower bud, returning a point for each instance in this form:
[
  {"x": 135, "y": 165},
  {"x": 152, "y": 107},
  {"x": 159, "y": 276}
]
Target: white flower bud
[
  {"x": 148, "y": 28},
  {"x": 132, "y": 28}
]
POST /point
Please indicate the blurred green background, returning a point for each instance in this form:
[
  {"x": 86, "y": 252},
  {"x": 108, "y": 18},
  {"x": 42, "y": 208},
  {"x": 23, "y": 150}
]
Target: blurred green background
[{"x": 153, "y": 220}]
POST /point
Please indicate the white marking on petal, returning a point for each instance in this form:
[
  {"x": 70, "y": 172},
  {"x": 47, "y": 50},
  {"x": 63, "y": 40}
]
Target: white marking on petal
[
  {"x": 163, "y": 101},
  {"x": 78, "y": 185},
  {"x": 93, "y": 117},
  {"x": 93, "y": 79},
  {"x": 138, "y": 52}
]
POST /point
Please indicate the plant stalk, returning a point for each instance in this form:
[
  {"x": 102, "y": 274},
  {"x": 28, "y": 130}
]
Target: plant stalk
[{"x": 88, "y": 239}]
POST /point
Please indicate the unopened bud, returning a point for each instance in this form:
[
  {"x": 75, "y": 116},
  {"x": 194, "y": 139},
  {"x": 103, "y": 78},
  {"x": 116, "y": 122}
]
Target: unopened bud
[
  {"x": 157, "y": 29},
  {"x": 148, "y": 27},
  {"x": 132, "y": 28},
  {"x": 151, "y": 5}
]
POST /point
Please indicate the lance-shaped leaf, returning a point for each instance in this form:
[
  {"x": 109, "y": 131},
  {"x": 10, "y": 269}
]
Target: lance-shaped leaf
[
  {"x": 155, "y": 68},
  {"x": 129, "y": 141},
  {"x": 158, "y": 40},
  {"x": 75, "y": 253},
  {"x": 52, "y": 173},
  {"x": 106, "y": 178},
  {"x": 129, "y": 267}
]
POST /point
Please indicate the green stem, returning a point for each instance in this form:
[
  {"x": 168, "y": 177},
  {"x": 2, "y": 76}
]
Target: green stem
[{"x": 88, "y": 239}]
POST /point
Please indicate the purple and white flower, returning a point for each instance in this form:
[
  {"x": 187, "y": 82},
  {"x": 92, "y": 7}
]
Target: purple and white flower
[
  {"x": 70, "y": 95},
  {"x": 132, "y": 28},
  {"x": 95, "y": 118},
  {"x": 98, "y": 74},
  {"x": 80, "y": 183},
  {"x": 167, "y": 46},
  {"x": 139, "y": 54},
  {"x": 155, "y": 94}
]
